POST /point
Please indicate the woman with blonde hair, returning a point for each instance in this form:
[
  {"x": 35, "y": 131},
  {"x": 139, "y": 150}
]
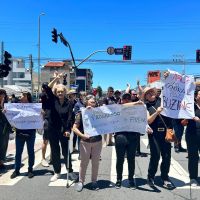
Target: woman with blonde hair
[{"x": 59, "y": 129}]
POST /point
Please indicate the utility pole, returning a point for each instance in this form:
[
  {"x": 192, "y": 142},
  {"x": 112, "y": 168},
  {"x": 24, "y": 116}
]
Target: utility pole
[
  {"x": 2, "y": 50},
  {"x": 180, "y": 58},
  {"x": 31, "y": 72},
  {"x": 41, "y": 14}
]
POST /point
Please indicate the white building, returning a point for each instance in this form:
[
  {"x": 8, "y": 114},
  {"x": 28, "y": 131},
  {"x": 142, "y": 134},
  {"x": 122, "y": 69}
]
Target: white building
[{"x": 18, "y": 75}]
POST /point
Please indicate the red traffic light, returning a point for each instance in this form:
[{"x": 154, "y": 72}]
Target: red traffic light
[{"x": 127, "y": 51}]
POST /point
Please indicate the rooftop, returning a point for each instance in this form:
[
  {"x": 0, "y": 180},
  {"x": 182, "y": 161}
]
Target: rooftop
[{"x": 55, "y": 64}]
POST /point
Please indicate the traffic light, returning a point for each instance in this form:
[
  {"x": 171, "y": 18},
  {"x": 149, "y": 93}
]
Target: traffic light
[
  {"x": 198, "y": 56},
  {"x": 127, "y": 51},
  {"x": 54, "y": 35},
  {"x": 7, "y": 57},
  {"x": 4, "y": 70}
]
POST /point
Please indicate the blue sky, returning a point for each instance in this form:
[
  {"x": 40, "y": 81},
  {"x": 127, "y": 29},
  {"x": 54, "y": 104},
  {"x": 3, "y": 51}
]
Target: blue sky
[{"x": 156, "y": 29}]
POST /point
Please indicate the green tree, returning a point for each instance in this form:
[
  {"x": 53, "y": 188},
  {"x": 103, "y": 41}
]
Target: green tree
[{"x": 99, "y": 91}]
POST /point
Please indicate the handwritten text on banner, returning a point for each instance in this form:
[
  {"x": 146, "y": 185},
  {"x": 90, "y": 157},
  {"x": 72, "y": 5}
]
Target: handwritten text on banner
[
  {"x": 114, "y": 118},
  {"x": 24, "y": 115},
  {"x": 178, "y": 96}
]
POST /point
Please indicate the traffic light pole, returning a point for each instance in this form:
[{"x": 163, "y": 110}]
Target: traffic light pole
[
  {"x": 39, "y": 79},
  {"x": 2, "y": 50},
  {"x": 66, "y": 43},
  {"x": 90, "y": 56}
]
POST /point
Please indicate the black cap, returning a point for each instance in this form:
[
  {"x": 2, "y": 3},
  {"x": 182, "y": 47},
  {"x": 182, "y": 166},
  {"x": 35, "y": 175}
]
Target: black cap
[{"x": 45, "y": 84}]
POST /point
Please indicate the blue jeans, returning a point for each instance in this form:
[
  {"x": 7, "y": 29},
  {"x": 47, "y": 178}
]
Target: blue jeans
[{"x": 30, "y": 142}]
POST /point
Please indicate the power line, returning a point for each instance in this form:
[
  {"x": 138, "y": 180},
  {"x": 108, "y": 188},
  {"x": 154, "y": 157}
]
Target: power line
[{"x": 132, "y": 62}]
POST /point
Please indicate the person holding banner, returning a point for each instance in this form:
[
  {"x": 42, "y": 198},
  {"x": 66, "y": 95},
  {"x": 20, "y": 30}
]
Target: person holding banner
[
  {"x": 59, "y": 127},
  {"x": 193, "y": 141},
  {"x": 126, "y": 142},
  {"x": 90, "y": 147},
  {"x": 109, "y": 100},
  {"x": 22, "y": 136},
  {"x": 158, "y": 145},
  {"x": 5, "y": 128}
]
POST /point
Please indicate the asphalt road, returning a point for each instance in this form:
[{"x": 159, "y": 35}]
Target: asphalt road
[{"x": 40, "y": 187}]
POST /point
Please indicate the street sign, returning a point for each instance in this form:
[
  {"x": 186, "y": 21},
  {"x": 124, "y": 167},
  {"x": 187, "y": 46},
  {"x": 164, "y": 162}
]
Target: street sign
[
  {"x": 110, "y": 50},
  {"x": 118, "y": 51},
  {"x": 73, "y": 86}
]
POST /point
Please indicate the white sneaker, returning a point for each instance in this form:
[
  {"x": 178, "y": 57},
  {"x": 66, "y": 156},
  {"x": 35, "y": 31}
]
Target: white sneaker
[
  {"x": 44, "y": 163},
  {"x": 79, "y": 186},
  {"x": 194, "y": 183},
  {"x": 55, "y": 177}
]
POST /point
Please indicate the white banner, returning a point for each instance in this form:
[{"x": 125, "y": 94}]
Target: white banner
[
  {"x": 114, "y": 118},
  {"x": 24, "y": 115},
  {"x": 178, "y": 96}
]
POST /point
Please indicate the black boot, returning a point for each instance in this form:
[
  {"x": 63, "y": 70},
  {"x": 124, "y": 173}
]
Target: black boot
[
  {"x": 176, "y": 148},
  {"x": 30, "y": 173},
  {"x": 14, "y": 174}
]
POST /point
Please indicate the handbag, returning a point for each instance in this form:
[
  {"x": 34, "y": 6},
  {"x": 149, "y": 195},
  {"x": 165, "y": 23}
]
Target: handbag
[{"x": 170, "y": 135}]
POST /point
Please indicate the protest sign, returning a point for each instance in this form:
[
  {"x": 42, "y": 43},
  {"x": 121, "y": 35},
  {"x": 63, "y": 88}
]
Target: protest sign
[
  {"x": 24, "y": 115},
  {"x": 178, "y": 96},
  {"x": 114, "y": 118}
]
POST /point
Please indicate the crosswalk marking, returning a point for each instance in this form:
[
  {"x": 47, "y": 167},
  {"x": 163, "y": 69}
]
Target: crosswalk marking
[
  {"x": 62, "y": 181},
  {"x": 177, "y": 174},
  {"x": 5, "y": 178}
]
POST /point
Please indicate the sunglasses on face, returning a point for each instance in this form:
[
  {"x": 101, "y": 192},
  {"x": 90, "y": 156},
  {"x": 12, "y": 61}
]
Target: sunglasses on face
[{"x": 151, "y": 93}]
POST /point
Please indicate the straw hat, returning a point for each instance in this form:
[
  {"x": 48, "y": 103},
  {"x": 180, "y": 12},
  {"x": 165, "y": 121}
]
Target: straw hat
[
  {"x": 72, "y": 91},
  {"x": 148, "y": 89}
]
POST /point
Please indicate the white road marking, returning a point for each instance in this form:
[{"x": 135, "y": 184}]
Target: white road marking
[
  {"x": 62, "y": 181},
  {"x": 177, "y": 174},
  {"x": 5, "y": 178}
]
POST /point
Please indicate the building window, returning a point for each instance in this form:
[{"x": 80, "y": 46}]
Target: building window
[{"x": 18, "y": 75}]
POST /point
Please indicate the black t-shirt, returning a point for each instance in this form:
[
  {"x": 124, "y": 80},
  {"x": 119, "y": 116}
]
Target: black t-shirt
[
  {"x": 158, "y": 123},
  {"x": 109, "y": 100},
  {"x": 193, "y": 126},
  {"x": 60, "y": 116}
]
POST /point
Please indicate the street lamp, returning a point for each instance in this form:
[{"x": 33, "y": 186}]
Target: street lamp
[{"x": 39, "y": 49}]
